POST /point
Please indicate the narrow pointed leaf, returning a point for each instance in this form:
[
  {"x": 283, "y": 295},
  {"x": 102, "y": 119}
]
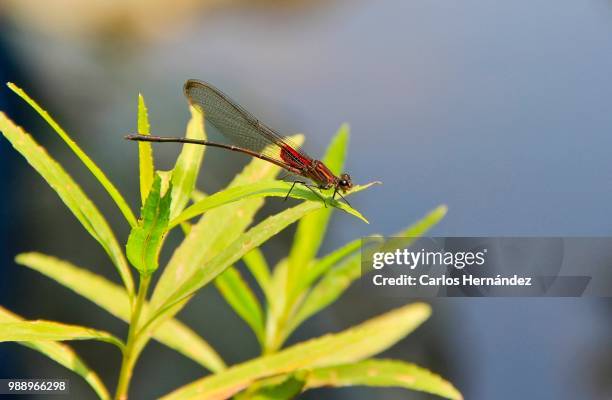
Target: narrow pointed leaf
[
  {"x": 187, "y": 166},
  {"x": 145, "y": 240},
  {"x": 63, "y": 355},
  {"x": 145, "y": 151},
  {"x": 33, "y": 331},
  {"x": 114, "y": 299},
  {"x": 70, "y": 193},
  {"x": 352, "y": 345},
  {"x": 382, "y": 373},
  {"x": 91, "y": 166},
  {"x": 271, "y": 188}
]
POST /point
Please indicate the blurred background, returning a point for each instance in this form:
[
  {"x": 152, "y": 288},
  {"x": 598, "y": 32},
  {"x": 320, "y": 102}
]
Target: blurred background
[{"x": 501, "y": 110}]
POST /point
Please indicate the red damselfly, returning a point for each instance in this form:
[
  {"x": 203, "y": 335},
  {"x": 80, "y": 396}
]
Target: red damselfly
[{"x": 250, "y": 136}]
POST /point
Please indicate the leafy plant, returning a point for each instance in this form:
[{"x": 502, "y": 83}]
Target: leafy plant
[{"x": 297, "y": 288}]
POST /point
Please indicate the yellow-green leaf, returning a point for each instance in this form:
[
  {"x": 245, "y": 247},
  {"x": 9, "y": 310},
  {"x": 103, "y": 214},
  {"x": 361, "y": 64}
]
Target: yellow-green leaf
[
  {"x": 187, "y": 165},
  {"x": 145, "y": 151},
  {"x": 114, "y": 299},
  {"x": 63, "y": 355},
  {"x": 271, "y": 188},
  {"x": 382, "y": 373},
  {"x": 352, "y": 345},
  {"x": 91, "y": 166},
  {"x": 70, "y": 193},
  {"x": 33, "y": 331}
]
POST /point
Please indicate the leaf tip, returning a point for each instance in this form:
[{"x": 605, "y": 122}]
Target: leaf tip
[
  {"x": 424, "y": 308},
  {"x": 440, "y": 211},
  {"x": 19, "y": 258},
  {"x": 419, "y": 311},
  {"x": 345, "y": 129},
  {"x": 342, "y": 134},
  {"x": 16, "y": 89}
]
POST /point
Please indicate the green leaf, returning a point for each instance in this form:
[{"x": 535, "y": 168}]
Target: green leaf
[
  {"x": 311, "y": 230},
  {"x": 93, "y": 168},
  {"x": 271, "y": 188},
  {"x": 382, "y": 373},
  {"x": 187, "y": 166},
  {"x": 257, "y": 265},
  {"x": 240, "y": 297},
  {"x": 70, "y": 193},
  {"x": 33, "y": 331},
  {"x": 145, "y": 240},
  {"x": 114, "y": 299},
  {"x": 337, "y": 280},
  {"x": 352, "y": 345},
  {"x": 213, "y": 232},
  {"x": 281, "y": 387},
  {"x": 145, "y": 151},
  {"x": 63, "y": 355}
]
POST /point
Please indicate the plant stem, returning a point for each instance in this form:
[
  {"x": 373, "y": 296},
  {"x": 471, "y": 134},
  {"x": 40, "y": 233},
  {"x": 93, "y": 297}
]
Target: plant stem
[
  {"x": 276, "y": 336},
  {"x": 130, "y": 354}
]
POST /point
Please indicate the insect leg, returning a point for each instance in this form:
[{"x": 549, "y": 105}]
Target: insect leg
[
  {"x": 290, "y": 190},
  {"x": 345, "y": 200},
  {"x": 310, "y": 187}
]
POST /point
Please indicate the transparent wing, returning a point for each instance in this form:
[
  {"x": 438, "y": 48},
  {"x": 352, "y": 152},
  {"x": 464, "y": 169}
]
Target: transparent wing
[{"x": 239, "y": 126}]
